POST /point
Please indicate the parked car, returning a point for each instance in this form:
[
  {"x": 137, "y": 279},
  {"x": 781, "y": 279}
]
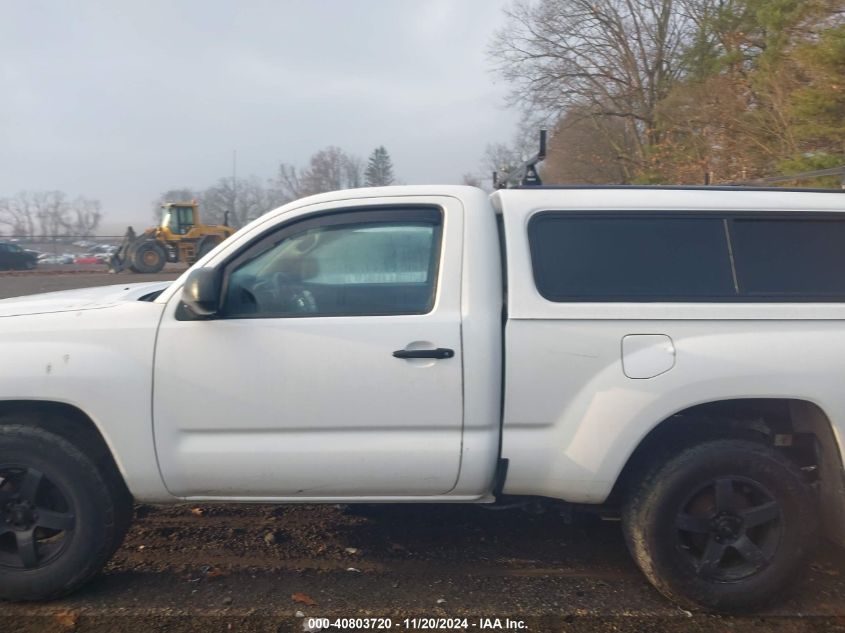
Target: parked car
[
  {"x": 671, "y": 356},
  {"x": 14, "y": 257},
  {"x": 51, "y": 258}
]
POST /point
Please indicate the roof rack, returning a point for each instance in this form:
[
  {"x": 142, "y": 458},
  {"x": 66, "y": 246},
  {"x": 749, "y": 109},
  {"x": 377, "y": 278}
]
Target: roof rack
[
  {"x": 807, "y": 175},
  {"x": 686, "y": 188},
  {"x": 526, "y": 174}
]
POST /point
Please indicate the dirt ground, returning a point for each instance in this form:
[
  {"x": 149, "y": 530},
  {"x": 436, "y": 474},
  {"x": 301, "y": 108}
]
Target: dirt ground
[
  {"x": 67, "y": 277},
  {"x": 275, "y": 568}
]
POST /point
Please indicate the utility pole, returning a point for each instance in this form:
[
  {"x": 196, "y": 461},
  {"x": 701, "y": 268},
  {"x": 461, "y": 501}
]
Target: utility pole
[{"x": 234, "y": 182}]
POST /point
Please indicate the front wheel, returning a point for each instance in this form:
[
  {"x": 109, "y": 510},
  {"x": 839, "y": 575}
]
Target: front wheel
[
  {"x": 58, "y": 522},
  {"x": 148, "y": 257},
  {"x": 726, "y": 525}
]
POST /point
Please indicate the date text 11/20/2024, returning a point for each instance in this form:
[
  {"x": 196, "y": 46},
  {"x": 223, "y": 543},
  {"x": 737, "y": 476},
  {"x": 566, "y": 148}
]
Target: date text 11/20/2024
[{"x": 430, "y": 624}]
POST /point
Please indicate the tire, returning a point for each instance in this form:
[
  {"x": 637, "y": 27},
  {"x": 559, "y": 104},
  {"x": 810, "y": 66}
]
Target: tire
[
  {"x": 124, "y": 504},
  {"x": 55, "y": 497},
  {"x": 206, "y": 245},
  {"x": 149, "y": 257},
  {"x": 726, "y": 525}
]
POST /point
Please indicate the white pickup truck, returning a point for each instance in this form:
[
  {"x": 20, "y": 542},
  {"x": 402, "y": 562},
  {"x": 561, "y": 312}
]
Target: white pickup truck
[{"x": 673, "y": 355}]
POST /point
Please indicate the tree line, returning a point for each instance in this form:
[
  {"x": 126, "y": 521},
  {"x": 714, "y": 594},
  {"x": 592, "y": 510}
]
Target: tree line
[
  {"x": 52, "y": 214},
  {"x": 676, "y": 91},
  {"x": 240, "y": 200},
  {"x": 49, "y": 214}
]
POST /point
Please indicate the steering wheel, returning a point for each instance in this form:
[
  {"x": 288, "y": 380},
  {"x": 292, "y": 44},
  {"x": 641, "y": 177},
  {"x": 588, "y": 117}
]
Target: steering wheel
[{"x": 280, "y": 292}]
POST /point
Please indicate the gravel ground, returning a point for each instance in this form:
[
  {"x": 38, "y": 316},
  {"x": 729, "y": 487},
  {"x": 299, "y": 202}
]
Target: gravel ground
[{"x": 266, "y": 568}]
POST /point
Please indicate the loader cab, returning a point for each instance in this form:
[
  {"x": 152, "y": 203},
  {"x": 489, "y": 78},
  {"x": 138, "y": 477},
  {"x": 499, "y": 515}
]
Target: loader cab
[{"x": 178, "y": 218}]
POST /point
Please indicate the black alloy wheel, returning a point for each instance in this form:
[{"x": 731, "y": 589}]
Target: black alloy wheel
[
  {"x": 36, "y": 518},
  {"x": 729, "y": 529}
]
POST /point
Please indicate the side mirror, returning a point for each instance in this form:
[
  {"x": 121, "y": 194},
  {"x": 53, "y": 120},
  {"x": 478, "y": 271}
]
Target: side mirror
[{"x": 201, "y": 292}]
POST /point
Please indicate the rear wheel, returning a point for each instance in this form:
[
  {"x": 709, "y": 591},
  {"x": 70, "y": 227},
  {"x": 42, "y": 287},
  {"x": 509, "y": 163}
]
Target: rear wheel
[
  {"x": 727, "y": 525},
  {"x": 57, "y": 515},
  {"x": 149, "y": 257}
]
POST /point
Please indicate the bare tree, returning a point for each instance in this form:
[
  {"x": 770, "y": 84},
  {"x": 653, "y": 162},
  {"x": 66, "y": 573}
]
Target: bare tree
[
  {"x": 607, "y": 59},
  {"x": 49, "y": 214},
  {"x": 500, "y": 158},
  {"x": 18, "y": 214},
  {"x": 52, "y": 212},
  {"x": 86, "y": 216},
  {"x": 237, "y": 204},
  {"x": 330, "y": 169},
  {"x": 288, "y": 182}
]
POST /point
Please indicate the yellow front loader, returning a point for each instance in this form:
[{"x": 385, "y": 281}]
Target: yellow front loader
[{"x": 180, "y": 237}]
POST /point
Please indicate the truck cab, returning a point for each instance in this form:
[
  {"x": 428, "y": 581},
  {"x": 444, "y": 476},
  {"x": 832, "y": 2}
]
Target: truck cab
[{"x": 179, "y": 218}]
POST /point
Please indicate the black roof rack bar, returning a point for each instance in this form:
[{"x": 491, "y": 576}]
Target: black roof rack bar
[
  {"x": 689, "y": 188},
  {"x": 526, "y": 174},
  {"x": 807, "y": 175}
]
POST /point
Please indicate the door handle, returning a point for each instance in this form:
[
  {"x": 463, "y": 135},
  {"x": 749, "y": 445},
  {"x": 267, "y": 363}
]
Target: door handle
[{"x": 439, "y": 353}]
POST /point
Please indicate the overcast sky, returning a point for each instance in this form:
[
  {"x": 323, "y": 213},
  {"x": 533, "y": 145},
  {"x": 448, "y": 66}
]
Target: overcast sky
[{"x": 122, "y": 100}]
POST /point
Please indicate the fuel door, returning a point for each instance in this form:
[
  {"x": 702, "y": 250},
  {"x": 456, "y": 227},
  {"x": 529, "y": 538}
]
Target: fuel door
[{"x": 647, "y": 355}]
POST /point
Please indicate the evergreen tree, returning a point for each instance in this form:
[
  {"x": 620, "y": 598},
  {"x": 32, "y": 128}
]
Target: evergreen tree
[
  {"x": 818, "y": 106},
  {"x": 379, "y": 171}
]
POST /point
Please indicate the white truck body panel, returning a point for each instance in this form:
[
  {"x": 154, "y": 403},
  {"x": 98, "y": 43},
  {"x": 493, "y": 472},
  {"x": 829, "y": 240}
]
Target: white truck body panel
[
  {"x": 97, "y": 358},
  {"x": 572, "y": 417},
  {"x": 314, "y": 407},
  {"x": 196, "y": 409}
]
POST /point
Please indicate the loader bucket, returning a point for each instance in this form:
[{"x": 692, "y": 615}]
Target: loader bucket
[{"x": 117, "y": 262}]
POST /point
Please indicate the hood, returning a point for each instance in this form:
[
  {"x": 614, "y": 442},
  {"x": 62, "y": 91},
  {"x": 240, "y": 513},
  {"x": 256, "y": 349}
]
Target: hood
[{"x": 80, "y": 299}]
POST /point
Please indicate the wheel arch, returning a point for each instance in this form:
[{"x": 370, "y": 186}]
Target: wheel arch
[
  {"x": 800, "y": 428},
  {"x": 72, "y": 424}
]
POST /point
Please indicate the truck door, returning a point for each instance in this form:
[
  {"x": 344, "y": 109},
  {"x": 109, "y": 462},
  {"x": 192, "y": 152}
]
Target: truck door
[{"x": 333, "y": 368}]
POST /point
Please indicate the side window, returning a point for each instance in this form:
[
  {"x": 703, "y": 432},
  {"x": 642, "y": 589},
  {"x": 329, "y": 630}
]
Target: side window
[
  {"x": 344, "y": 264},
  {"x": 790, "y": 259},
  {"x": 186, "y": 219},
  {"x": 600, "y": 257}
]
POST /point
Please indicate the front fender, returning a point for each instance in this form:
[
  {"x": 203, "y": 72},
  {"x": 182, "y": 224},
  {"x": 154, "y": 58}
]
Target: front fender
[{"x": 100, "y": 362}]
